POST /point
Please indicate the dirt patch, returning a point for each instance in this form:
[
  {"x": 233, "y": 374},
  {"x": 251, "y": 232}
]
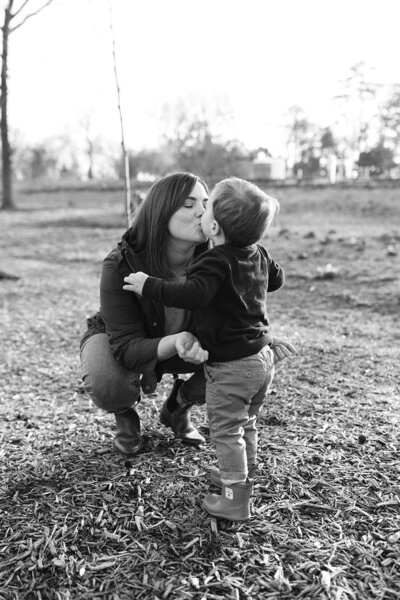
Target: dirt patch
[{"x": 82, "y": 521}]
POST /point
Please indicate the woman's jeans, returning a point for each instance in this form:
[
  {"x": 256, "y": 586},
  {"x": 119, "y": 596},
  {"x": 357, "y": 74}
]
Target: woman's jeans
[
  {"x": 235, "y": 392},
  {"x": 115, "y": 389}
]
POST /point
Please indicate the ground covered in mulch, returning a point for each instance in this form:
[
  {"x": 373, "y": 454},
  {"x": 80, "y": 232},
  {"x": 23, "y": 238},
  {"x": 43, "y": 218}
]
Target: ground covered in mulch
[{"x": 79, "y": 521}]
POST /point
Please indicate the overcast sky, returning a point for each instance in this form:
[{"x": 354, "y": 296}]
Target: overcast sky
[{"x": 258, "y": 56}]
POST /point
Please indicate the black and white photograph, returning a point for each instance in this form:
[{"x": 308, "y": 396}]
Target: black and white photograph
[{"x": 199, "y": 300}]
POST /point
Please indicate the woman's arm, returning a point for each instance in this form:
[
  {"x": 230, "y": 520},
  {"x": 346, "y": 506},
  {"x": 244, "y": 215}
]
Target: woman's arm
[
  {"x": 185, "y": 344},
  {"x": 133, "y": 329}
]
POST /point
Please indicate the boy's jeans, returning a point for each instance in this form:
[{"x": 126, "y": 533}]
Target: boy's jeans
[{"x": 235, "y": 392}]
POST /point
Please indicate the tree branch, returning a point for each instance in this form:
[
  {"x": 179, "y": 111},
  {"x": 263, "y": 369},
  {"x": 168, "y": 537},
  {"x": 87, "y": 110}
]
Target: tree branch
[
  {"x": 20, "y": 9},
  {"x": 32, "y": 14},
  {"x": 125, "y": 156}
]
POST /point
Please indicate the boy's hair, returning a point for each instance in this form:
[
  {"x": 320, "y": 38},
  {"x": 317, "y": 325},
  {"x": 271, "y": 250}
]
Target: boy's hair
[{"x": 243, "y": 211}]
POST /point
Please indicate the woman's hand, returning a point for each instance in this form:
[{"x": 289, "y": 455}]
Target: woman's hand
[
  {"x": 281, "y": 348},
  {"x": 189, "y": 349},
  {"x": 135, "y": 282}
]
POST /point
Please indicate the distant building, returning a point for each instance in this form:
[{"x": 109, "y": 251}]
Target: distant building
[{"x": 264, "y": 167}]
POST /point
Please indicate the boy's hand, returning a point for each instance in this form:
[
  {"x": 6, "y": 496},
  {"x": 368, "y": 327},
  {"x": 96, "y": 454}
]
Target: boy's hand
[
  {"x": 135, "y": 282},
  {"x": 281, "y": 348},
  {"x": 189, "y": 349}
]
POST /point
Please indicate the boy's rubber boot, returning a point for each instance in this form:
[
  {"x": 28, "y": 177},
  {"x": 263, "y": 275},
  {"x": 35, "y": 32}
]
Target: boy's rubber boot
[
  {"x": 128, "y": 440},
  {"x": 177, "y": 417},
  {"x": 233, "y": 504},
  {"x": 215, "y": 475}
]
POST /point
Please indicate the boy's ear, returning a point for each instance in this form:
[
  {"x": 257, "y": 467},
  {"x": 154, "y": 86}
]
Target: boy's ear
[{"x": 215, "y": 227}]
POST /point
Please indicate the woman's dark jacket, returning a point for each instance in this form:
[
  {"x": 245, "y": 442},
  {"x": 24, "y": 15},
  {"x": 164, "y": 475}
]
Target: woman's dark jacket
[{"x": 134, "y": 324}]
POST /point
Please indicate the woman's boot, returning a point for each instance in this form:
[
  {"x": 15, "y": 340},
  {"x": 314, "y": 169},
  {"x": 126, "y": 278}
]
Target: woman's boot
[
  {"x": 215, "y": 475},
  {"x": 128, "y": 440},
  {"x": 177, "y": 417},
  {"x": 233, "y": 503}
]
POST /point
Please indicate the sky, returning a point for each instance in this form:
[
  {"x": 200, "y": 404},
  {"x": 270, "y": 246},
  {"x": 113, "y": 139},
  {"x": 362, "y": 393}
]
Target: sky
[{"x": 256, "y": 57}]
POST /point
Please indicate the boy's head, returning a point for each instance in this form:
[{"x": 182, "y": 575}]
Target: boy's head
[{"x": 242, "y": 210}]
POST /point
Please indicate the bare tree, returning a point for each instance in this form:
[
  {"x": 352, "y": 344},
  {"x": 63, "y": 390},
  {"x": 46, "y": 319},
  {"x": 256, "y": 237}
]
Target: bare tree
[
  {"x": 129, "y": 207},
  {"x": 92, "y": 143},
  {"x": 14, "y": 18},
  {"x": 359, "y": 105},
  {"x": 190, "y": 124},
  {"x": 389, "y": 116},
  {"x": 300, "y": 131}
]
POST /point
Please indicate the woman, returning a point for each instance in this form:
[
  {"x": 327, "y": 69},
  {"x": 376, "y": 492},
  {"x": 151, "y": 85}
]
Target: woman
[{"x": 132, "y": 341}]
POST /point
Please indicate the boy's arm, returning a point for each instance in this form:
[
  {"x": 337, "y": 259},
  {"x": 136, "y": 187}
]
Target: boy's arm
[
  {"x": 204, "y": 281},
  {"x": 276, "y": 276}
]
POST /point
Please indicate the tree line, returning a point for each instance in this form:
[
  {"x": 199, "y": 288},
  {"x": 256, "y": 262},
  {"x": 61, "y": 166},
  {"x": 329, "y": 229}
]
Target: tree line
[
  {"x": 191, "y": 139},
  {"x": 366, "y": 132}
]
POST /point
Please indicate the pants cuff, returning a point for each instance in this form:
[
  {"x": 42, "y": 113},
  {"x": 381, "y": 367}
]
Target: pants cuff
[{"x": 233, "y": 478}]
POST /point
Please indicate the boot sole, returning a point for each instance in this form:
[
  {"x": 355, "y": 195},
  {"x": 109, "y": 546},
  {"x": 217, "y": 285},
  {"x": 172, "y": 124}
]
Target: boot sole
[
  {"x": 222, "y": 516},
  {"x": 132, "y": 452},
  {"x": 189, "y": 442}
]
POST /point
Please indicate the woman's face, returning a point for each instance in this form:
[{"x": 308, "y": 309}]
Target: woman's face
[{"x": 185, "y": 223}]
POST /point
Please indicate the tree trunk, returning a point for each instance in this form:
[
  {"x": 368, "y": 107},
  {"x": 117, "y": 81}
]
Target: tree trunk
[
  {"x": 90, "y": 158},
  {"x": 129, "y": 209},
  {"x": 7, "y": 202}
]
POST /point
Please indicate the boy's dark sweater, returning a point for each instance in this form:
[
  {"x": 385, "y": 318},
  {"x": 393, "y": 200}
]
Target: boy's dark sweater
[{"x": 227, "y": 289}]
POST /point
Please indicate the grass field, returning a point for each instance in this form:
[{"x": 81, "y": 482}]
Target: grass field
[{"x": 80, "y": 522}]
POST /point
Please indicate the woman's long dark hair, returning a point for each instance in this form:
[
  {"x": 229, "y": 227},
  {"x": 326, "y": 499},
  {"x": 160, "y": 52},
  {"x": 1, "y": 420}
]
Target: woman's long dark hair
[{"x": 149, "y": 231}]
